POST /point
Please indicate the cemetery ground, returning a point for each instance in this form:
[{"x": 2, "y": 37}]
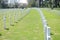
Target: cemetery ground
[
  {"x": 29, "y": 27},
  {"x": 53, "y": 19},
  {"x": 57, "y": 8}
]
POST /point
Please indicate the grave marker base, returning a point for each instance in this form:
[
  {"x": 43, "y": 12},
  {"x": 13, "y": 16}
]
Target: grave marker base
[
  {"x": 16, "y": 22},
  {"x": 0, "y": 34},
  {"x": 6, "y": 28},
  {"x": 12, "y": 24}
]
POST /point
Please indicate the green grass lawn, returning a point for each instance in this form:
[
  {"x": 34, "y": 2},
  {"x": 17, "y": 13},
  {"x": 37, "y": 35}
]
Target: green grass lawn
[
  {"x": 29, "y": 28},
  {"x": 53, "y": 19},
  {"x": 57, "y": 8}
]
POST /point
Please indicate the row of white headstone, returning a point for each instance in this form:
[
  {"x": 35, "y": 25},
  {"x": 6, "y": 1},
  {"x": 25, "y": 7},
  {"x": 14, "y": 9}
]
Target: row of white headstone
[
  {"x": 16, "y": 17},
  {"x": 46, "y": 28}
]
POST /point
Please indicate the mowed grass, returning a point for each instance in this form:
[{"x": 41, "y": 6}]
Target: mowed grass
[
  {"x": 57, "y": 8},
  {"x": 53, "y": 19},
  {"x": 29, "y": 28}
]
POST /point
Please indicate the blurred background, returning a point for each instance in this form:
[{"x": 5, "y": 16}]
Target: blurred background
[{"x": 29, "y": 3}]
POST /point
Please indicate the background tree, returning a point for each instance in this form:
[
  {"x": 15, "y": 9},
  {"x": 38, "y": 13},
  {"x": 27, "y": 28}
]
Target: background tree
[{"x": 0, "y": 3}]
